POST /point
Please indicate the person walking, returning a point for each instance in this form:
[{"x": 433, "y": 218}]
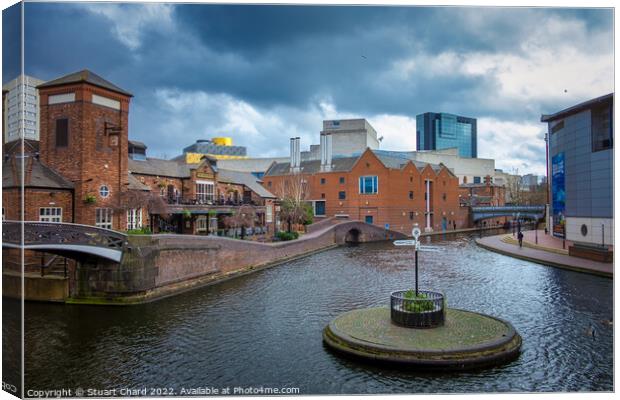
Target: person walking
[{"x": 520, "y": 236}]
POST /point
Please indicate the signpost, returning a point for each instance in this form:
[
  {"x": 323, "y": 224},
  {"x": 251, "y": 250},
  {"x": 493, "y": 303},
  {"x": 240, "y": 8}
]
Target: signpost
[{"x": 415, "y": 232}]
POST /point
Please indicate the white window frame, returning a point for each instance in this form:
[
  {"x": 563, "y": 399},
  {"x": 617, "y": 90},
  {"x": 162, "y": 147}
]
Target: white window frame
[
  {"x": 202, "y": 224},
  {"x": 375, "y": 184},
  {"x": 104, "y": 189},
  {"x": 48, "y": 214},
  {"x": 134, "y": 218},
  {"x": 205, "y": 191},
  {"x": 103, "y": 218}
]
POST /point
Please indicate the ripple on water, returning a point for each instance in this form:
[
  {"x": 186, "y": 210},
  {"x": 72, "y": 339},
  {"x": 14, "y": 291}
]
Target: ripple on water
[{"x": 265, "y": 328}]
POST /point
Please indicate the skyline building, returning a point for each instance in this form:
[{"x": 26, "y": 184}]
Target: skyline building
[
  {"x": 580, "y": 171},
  {"x": 21, "y": 121},
  {"x": 439, "y": 131}
]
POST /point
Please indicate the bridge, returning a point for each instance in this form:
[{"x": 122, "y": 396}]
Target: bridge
[
  {"x": 70, "y": 240},
  {"x": 524, "y": 212}
]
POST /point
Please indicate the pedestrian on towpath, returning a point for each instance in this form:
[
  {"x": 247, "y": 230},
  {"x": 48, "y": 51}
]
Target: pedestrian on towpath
[{"x": 520, "y": 236}]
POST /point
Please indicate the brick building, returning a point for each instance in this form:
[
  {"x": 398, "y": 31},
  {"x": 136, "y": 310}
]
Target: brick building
[
  {"x": 378, "y": 189},
  {"x": 85, "y": 170}
]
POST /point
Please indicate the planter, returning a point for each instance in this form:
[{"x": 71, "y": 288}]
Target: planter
[{"x": 426, "y": 311}]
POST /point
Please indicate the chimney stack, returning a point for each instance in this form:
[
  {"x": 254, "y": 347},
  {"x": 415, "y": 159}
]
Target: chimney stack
[
  {"x": 326, "y": 152},
  {"x": 295, "y": 155}
]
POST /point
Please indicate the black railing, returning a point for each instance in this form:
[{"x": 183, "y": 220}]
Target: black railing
[
  {"x": 207, "y": 202},
  {"x": 425, "y": 311},
  {"x": 37, "y": 233}
]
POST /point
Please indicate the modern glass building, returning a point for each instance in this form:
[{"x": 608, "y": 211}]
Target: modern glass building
[
  {"x": 436, "y": 131},
  {"x": 580, "y": 171}
]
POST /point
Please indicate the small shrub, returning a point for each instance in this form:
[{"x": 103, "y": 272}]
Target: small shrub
[
  {"x": 417, "y": 306},
  {"x": 284, "y": 236},
  {"x": 90, "y": 199},
  {"x": 141, "y": 231}
]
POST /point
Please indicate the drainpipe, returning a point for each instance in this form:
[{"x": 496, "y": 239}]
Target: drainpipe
[{"x": 428, "y": 206}]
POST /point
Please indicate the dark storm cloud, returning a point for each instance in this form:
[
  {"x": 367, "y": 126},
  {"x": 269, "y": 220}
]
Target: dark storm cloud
[
  {"x": 60, "y": 39},
  {"x": 295, "y": 57},
  {"x": 11, "y": 40}
]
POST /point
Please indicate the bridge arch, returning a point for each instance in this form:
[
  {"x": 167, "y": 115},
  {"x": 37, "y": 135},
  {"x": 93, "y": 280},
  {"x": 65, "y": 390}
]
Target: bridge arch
[
  {"x": 352, "y": 236},
  {"x": 74, "y": 241}
]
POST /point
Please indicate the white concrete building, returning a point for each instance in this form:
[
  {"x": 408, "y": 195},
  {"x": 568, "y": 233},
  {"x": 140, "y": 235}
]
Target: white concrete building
[
  {"x": 21, "y": 121},
  {"x": 350, "y": 136}
]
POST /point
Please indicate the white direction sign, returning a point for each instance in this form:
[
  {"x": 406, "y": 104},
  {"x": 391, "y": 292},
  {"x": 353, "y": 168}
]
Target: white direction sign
[{"x": 405, "y": 242}]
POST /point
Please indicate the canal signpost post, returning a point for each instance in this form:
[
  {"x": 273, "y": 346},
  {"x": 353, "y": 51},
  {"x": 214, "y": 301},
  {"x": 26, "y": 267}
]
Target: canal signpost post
[{"x": 415, "y": 232}]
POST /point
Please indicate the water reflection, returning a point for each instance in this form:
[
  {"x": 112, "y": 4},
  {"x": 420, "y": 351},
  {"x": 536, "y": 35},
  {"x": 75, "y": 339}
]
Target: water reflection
[{"x": 265, "y": 329}]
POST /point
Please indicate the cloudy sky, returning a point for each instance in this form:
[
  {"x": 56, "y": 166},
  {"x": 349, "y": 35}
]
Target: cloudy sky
[{"x": 262, "y": 74}]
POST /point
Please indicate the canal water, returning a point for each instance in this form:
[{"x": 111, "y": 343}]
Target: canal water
[{"x": 264, "y": 329}]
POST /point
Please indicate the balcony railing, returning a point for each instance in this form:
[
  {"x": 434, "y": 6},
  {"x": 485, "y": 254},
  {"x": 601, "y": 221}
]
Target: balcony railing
[{"x": 207, "y": 202}]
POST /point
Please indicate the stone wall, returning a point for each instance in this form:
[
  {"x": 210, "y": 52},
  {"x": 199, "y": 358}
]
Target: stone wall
[{"x": 159, "y": 265}]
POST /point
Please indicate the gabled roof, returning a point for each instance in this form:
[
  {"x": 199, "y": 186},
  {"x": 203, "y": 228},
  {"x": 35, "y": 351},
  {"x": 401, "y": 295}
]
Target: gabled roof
[
  {"x": 244, "y": 178},
  {"x": 159, "y": 167},
  {"x": 85, "y": 76},
  {"x": 40, "y": 175},
  {"x": 345, "y": 164},
  {"x": 313, "y": 166},
  {"x": 136, "y": 143},
  {"x": 135, "y": 184}
]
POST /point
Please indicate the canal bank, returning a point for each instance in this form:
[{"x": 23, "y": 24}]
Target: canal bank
[
  {"x": 264, "y": 329},
  {"x": 549, "y": 256},
  {"x": 157, "y": 266}
]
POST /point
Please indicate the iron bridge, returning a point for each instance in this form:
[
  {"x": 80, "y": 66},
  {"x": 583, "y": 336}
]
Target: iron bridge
[
  {"x": 524, "y": 212},
  {"x": 64, "y": 238}
]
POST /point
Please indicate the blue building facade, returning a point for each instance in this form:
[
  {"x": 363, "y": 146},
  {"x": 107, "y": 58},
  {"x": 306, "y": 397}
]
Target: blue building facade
[
  {"x": 437, "y": 131},
  {"x": 580, "y": 169}
]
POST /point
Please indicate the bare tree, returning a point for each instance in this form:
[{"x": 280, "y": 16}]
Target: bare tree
[
  {"x": 514, "y": 187},
  {"x": 153, "y": 203},
  {"x": 293, "y": 193},
  {"x": 244, "y": 217}
]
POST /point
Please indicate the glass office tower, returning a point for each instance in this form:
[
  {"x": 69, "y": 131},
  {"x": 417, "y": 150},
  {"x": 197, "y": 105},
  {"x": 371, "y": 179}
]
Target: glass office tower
[{"x": 436, "y": 131}]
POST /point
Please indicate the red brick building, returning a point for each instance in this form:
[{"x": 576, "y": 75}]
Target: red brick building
[
  {"x": 381, "y": 190},
  {"x": 82, "y": 171}
]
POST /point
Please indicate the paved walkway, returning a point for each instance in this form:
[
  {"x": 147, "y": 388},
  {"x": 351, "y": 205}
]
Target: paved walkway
[{"x": 546, "y": 252}]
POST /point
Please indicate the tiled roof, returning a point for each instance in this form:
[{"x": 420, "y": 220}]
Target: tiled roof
[
  {"x": 135, "y": 184},
  {"x": 136, "y": 143},
  {"x": 313, "y": 166},
  {"x": 245, "y": 178},
  {"x": 41, "y": 176},
  {"x": 84, "y": 76},
  {"x": 159, "y": 167},
  {"x": 346, "y": 164}
]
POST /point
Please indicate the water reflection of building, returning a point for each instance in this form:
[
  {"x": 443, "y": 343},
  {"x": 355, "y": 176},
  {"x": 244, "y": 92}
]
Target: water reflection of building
[{"x": 580, "y": 169}]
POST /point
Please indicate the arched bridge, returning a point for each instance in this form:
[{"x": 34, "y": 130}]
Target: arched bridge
[
  {"x": 524, "y": 212},
  {"x": 71, "y": 240}
]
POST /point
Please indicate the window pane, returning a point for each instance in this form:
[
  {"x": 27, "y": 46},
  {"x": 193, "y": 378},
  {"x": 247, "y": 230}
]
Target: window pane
[{"x": 62, "y": 132}]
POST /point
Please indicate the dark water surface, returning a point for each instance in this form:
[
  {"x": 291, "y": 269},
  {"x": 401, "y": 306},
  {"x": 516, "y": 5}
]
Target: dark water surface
[{"x": 264, "y": 329}]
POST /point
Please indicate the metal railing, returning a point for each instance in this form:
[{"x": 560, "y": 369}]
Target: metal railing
[
  {"x": 425, "y": 311},
  {"x": 506, "y": 208},
  {"x": 45, "y": 233},
  {"x": 206, "y": 202}
]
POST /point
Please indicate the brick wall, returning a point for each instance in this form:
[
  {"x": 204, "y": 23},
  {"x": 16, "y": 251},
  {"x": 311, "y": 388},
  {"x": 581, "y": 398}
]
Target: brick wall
[
  {"x": 392, "y": 204},
  {"x": 34, "y": 200},
  {"x": 154, "y": 264},
  {"x": 93, "y": 156}
]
